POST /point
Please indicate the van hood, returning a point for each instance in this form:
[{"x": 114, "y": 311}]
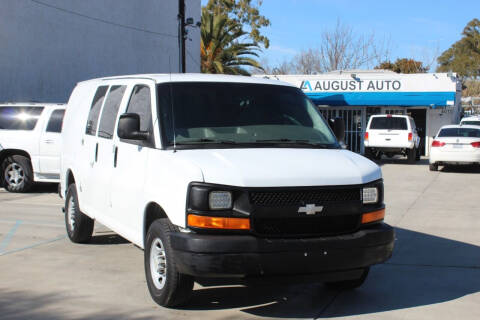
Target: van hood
[{"x": 282, "y": 167}]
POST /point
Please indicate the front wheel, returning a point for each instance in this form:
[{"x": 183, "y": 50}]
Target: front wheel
[
  {"x": 433, "y": 167},
  {"x": 79, "y": 226},
  {"x": 17, "y": 173},
  {"x": 349, "y": 284},
  {"x": 167, "y": 286}
]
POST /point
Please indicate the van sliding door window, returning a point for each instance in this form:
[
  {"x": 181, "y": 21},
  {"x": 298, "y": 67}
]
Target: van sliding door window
[
  {"x": 110, "y": 111},
  {"x": 97, "y": 103},
  {"x": 140, "y": 103}
]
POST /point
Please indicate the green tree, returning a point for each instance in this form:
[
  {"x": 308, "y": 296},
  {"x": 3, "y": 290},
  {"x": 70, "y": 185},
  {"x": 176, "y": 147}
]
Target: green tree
[
  {"x": 244, "y": 14},
  {"x": 220, "y": 47},
  {"x": 463, "y": 57},
  {"x": 404, "y": 65}
]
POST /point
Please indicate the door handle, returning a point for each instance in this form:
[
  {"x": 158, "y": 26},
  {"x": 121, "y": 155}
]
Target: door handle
[
  {"x": 115, "y": 157},
  {"x": 48, "y": 141},
  {"x": 96, "y": 152}
]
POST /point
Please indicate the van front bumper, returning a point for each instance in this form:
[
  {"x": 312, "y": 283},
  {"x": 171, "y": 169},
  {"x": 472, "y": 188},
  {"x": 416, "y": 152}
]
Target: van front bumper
[{"x": 246, "y": 255}]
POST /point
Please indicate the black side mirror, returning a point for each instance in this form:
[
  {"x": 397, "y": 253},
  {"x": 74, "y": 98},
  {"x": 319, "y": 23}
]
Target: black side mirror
[
  {"x": 339, "y": 129},
  {"x": 129, "y": 127}
]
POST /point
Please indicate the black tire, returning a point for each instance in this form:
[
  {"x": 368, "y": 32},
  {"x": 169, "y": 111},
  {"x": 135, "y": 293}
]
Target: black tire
[
  {"x": 433, "y": 167},
  {"x": 349, "y": 284},
  {"x": 412, "y": 154},
  {"x": 79, "y": 226},
  {"x": 23, "y": 179},
  {"x": 175, "y": 288}
]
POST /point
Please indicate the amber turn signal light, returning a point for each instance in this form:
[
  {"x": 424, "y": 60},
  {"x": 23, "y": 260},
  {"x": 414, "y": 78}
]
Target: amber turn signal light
[
  {"x": 218, "y": 222},
  {"x": 373, "y": 216}
]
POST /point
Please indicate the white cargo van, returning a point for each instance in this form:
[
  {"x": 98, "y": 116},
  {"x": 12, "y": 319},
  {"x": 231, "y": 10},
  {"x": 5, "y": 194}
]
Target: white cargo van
[
  {"x": 29, "y": 144},
  {"x": 220, "y": 176}
]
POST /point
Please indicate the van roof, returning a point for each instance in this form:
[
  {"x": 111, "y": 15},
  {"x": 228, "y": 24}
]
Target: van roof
[
  {"x": 196, "y": 77},
  {"x": 390, "y": 115}
]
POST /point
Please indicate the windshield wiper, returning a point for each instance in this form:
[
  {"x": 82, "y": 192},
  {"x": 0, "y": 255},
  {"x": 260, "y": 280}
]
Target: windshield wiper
[
  {"x": 205, "y": 140},
  {"x": 299, "y": 142}
]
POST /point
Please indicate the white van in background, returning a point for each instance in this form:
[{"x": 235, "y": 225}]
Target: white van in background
[
  {"x": 220, "y": 176},
  {"x": 29, "y": 144}
]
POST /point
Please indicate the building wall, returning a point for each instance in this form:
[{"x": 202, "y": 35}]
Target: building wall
[{"x": 47, "y": 46}]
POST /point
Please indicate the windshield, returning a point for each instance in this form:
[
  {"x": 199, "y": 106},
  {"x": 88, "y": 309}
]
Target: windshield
[
  {"x": 205, "y": 113},
  {"x": 460, "y": 132},
  {"x": 391, "y": 123}
]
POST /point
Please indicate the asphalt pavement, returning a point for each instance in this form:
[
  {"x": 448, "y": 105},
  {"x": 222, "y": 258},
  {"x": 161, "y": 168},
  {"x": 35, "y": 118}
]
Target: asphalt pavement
[{"x": 434, "y": 272}]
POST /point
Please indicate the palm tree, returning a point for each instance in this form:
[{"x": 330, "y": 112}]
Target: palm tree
[{"x": 221, "y": 49}]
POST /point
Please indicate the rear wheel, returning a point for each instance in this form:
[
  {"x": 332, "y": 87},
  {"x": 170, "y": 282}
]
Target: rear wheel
[
  {"x": 349, "y": 284},
  {"x": 412, "y": 154},
  {"x": 433, "y": 167},
  {"x": 79, "y": 226},
  {"x": 17, "y": 173},
  {"x": 167, "y": 286}
]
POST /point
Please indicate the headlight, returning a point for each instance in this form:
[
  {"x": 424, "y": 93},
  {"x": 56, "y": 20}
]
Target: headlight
[
  {"x": 370, "y": 195},
  {"x": 220, "y": 200}
]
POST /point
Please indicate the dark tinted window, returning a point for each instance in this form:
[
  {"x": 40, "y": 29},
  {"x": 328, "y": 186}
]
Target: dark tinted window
[
  {"x": 459, "y": 132},
  {"x": 140, "y": 103},
  {"x": 473, "y": 123},
  {"x": 391, "y": 123},
  {"x": 55, "y": 121},
  {"x": 95, "y": 110},
  {"x": 19, "y": 118},
  {"x": 110, "y": 110}
]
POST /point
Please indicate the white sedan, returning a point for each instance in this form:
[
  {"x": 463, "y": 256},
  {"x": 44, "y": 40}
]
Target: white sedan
[{"x": 455, "y": 144}]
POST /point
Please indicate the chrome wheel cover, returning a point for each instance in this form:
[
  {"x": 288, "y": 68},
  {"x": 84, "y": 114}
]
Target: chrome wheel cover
[
  {"x": 71, "y": 213},
  {"x": 158, "y": 263},
  {"x": 14, "y": 175}
]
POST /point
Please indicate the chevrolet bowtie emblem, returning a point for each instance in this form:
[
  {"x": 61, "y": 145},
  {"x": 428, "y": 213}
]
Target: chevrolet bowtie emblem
[{"x": 310, "y": 209}]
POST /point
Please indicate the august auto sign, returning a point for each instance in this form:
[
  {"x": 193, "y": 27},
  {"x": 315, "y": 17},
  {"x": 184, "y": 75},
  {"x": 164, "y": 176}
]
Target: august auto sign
[{"x": 351, "y": 85}]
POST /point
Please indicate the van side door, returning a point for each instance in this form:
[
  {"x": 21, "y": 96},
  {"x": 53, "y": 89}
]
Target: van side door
[
  {"x": 50, "y": 144},
  {"x": 105, "y": 153},
  {"x": 130, "y": 165},
  {"x": 88, "y": 154}
]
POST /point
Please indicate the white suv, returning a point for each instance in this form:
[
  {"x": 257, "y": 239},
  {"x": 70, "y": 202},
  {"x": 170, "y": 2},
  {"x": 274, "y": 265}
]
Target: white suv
[
  {"x": 391, "y": 135},
  {"x": 219, "y": 176},
  {"x": 29, "y": 144}
]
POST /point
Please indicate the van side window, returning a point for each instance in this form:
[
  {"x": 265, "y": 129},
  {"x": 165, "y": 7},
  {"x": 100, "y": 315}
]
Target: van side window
[
  {"x": 55, "y": 122},
  {"x": 95, "y": 110},
  {"x": 110, "y": 110},
  {"x": 140, "y": 103}
]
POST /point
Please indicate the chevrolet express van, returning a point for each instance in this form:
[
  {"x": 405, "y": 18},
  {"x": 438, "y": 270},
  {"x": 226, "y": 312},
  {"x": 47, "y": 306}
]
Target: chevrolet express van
[{"x": 220, "y": 176}]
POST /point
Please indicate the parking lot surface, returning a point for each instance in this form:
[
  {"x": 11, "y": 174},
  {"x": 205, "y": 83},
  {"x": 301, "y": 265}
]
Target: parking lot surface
[{"x": 434, "y": 272}]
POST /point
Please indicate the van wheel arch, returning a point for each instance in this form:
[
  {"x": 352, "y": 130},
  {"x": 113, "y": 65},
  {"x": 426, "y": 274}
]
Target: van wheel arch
[{"x": 153, "y": 211}]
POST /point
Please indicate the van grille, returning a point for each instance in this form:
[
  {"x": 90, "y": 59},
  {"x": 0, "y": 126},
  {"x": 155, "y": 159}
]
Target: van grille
[
  {"x": 292, "y": 198},
  {"x": 306, "y": 226}
]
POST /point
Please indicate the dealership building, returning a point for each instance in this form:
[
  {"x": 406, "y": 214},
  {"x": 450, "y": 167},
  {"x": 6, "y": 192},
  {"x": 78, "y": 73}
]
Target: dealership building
[{"x": 431, "y": 99}]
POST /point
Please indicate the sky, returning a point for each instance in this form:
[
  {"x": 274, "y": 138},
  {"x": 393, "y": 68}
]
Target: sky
[{"x": 420, "y": 29}]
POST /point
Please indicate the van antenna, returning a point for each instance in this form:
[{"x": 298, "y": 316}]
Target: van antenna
[{"x": 171, "y": 105}]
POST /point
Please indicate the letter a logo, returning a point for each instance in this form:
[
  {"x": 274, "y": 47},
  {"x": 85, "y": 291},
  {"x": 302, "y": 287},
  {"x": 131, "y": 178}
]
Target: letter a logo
[{"x": 306, "y": 85}]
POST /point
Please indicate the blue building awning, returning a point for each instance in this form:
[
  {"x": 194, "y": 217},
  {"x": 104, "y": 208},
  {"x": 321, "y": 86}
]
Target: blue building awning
[{"x": 407, "y": 99}]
